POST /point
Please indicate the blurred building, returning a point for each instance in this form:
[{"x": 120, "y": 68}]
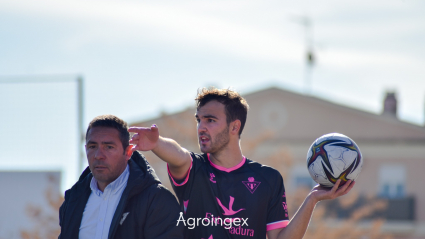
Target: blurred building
[
  {"x": 29, "y": 203},
  {"x": 282, "y": 125}
]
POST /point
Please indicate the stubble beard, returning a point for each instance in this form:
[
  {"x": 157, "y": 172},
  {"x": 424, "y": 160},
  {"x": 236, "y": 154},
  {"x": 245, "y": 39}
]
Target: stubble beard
[
  {"x": 221, "y": 141},
  {"x": 103, "y": 177},
  {"x": 108, "y": 175}
]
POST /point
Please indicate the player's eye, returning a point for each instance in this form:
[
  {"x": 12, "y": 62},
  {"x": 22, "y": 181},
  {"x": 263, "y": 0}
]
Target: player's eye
[{"x": 211, "y": 120}]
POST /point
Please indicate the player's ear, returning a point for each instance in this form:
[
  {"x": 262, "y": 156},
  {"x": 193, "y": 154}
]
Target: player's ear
[{"x": 235, "y": 126}]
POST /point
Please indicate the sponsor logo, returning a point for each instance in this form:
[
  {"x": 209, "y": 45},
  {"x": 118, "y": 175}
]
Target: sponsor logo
[
  {"x": 212, "y": 178},
  {"x": 241, "y": 231},
  {"x": 229, "y": 211},
  {"x": 228, "y": 223},
  {"x": 124, "y": 216},
  {"x": 285, "y": 207}
]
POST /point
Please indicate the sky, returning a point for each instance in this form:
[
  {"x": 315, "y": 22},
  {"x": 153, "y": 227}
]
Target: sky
[{"x": 141, "y": 58}]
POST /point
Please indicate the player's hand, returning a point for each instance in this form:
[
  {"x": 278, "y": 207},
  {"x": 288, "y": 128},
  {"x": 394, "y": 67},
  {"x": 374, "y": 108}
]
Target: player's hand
[
  {"x": 145, "y": 138},
  {"x": 320, "y": 193}
]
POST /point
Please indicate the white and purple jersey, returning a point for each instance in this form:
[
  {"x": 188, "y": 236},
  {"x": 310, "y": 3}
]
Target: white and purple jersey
[{"x": 249, "y": 195}]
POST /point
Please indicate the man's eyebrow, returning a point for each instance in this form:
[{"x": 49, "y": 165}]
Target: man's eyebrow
[
  {"x": 104, "y": 142},
  {"x": 209, "y": 116},
  {"x": 108, "y": 142},
  {"x": 206, "y": 116},
  {"x": 91, "y": 142}
]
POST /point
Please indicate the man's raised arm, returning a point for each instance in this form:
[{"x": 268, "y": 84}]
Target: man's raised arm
[
  {"x": 147, "y": 138},
  {"x": 299, "y": 223}
]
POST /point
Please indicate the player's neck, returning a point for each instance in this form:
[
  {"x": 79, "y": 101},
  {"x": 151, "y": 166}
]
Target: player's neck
[{"x": 228, "y": 157}]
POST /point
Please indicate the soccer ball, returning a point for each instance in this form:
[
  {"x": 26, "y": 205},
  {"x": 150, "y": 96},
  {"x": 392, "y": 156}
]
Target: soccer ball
[{"x": 334, "y": 156}]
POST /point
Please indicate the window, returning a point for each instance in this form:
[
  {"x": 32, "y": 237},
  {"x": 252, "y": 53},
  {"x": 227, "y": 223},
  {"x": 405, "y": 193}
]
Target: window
[{"x": 392, "y": 181}]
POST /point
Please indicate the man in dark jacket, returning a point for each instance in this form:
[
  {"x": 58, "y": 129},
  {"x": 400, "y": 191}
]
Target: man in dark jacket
[{"x": 119, "y": 194}]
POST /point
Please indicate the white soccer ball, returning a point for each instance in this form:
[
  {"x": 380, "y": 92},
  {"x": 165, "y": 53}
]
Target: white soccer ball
[{"x": 334, "y": 156}]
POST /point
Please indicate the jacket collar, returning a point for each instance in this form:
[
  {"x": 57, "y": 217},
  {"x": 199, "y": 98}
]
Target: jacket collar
[{"x": 142, "y": 175}]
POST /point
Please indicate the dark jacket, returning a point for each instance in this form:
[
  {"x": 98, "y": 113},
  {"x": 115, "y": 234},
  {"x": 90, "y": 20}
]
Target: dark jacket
[{"x": 153, "y": 210}]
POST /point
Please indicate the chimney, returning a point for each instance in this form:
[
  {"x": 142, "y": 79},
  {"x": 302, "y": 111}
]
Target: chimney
[{"x": 390, "y": 104}]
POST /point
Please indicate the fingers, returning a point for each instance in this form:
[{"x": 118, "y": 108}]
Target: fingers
[
  {"x": 135, "y": 129},
  {"x": 337, "y": 191},
  {"x": 334, "y": 192},
  {"x": 349, "y": 187},
  {"x": 134, "y": 139},
  {"x": 335, "y": 187},
  {"x": 139, "y": 130},
  {"x": 346, "y": 188},
  {"x": 154, "y": 128},
  {"x": 144, "y": 138}
]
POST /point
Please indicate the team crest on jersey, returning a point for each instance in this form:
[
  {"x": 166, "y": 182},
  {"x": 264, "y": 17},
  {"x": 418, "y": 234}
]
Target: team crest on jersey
[{"x": 251, "y": 184}]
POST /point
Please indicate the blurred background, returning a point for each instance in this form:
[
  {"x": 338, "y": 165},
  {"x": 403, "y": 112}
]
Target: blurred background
[{"x": 306, "y": 68}]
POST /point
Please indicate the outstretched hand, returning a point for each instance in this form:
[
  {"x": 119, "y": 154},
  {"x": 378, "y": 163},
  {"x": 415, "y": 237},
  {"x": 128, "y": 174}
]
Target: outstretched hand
[
  {"x": 320, "y": 193},
  {"x": 145, "y": 138}
]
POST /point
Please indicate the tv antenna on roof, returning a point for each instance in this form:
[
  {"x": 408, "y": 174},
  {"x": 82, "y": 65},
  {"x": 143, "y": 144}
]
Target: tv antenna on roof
[{"x": 309, "y": 54}]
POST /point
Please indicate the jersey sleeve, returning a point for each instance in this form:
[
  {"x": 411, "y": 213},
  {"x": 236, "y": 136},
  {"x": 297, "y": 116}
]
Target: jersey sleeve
[
  {"x": 277, "y": 211},
  {"x": 183, "y": 187}
]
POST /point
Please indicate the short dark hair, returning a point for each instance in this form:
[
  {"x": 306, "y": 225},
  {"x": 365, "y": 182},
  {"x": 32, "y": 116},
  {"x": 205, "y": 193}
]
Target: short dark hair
[
  {"x": 235, "y": 105},
  {"x": 112, "y": 121}
]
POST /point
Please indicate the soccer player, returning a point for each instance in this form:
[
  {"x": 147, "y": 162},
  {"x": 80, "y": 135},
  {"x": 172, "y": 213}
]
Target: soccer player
[
  {"x": 221, "y": 184},
  {"x": 118, "y": 195}
]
